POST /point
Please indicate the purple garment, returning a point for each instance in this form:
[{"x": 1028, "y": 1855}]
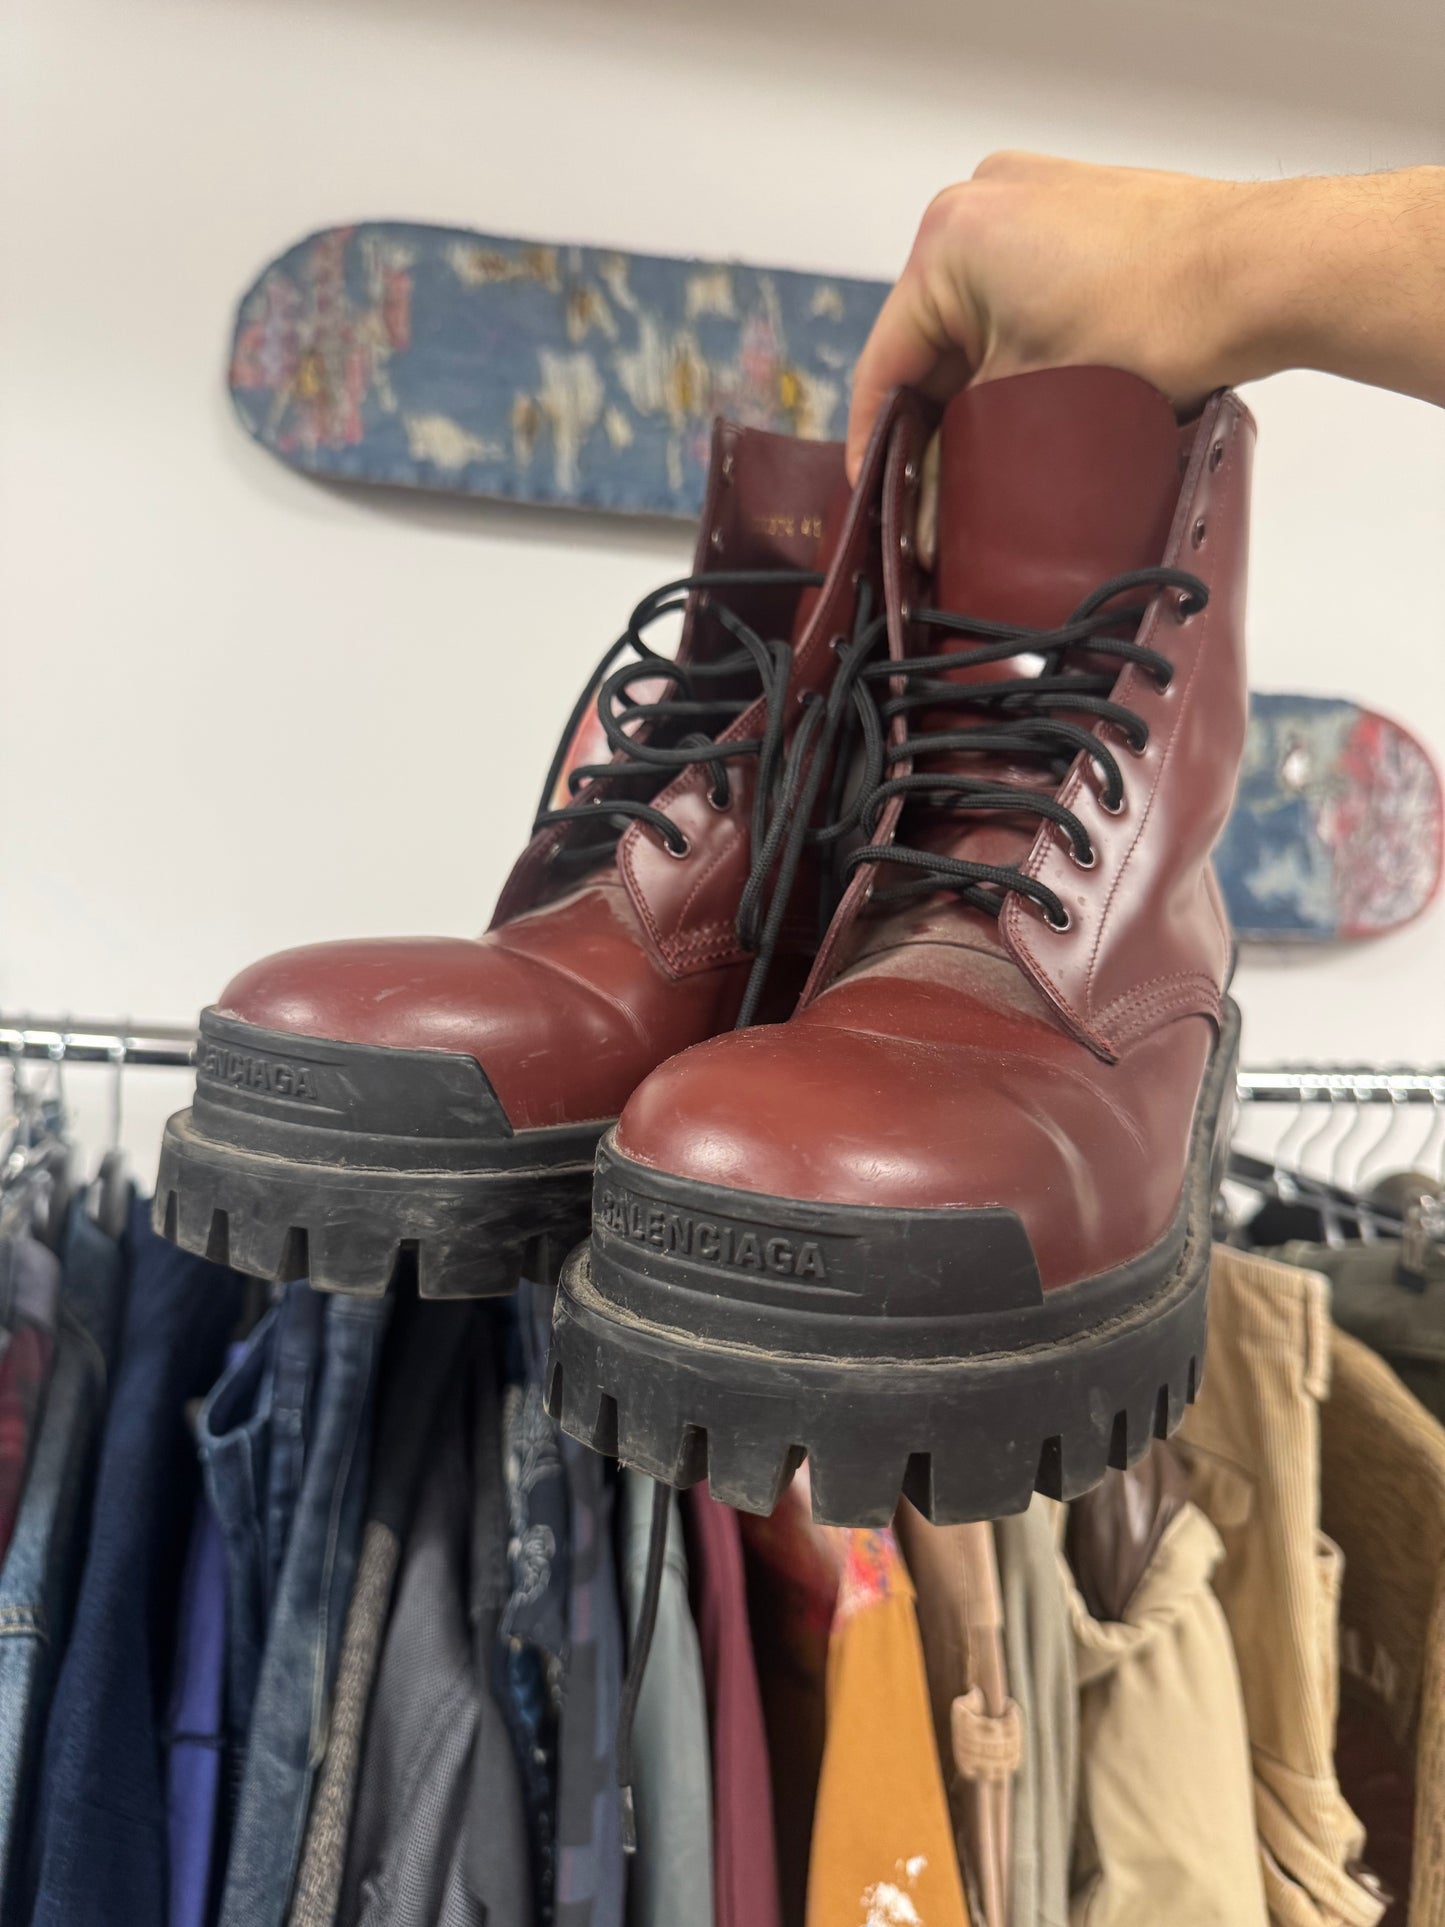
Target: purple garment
[{"x": 196, "y": 1735}]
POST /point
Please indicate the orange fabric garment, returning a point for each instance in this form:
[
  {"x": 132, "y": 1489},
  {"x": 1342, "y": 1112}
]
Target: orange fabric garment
[{"x": 883, "y": 1848}]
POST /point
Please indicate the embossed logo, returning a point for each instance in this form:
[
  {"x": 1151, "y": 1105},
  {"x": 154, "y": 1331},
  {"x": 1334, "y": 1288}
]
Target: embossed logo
[
  {"x": 735, "y": 1247},
  {"x": 250, "y": 1071}
]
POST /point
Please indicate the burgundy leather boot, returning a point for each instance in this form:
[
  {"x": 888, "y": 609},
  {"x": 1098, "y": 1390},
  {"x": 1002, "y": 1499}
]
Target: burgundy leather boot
[
  {"x": 947, "y": 1229},
  {"x": 358, "y": 1101}
]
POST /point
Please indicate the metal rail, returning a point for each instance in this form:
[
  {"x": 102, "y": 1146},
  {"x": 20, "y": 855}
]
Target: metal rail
[{"x": 73, "y": 1040}]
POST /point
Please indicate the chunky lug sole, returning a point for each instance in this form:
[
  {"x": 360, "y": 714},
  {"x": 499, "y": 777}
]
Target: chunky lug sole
[
  {"x": 708, "y": 1333},
  {"x": 341, "y": 1163}
]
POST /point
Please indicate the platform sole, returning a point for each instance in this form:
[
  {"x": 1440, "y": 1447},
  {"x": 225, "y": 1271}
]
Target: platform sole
[
  {"x": 345, "y": 1164},
  {"x": 965, "y": 1416}
]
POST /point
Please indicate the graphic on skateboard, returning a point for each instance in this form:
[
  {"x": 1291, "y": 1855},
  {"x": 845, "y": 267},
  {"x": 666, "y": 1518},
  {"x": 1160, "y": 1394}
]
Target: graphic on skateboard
[
  {"x": 429, "y": 357},
  {"x": 1337, "y": 829}
]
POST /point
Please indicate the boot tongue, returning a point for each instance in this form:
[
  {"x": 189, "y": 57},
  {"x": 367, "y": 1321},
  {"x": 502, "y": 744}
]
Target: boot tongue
[{"x": 1049, "y": 483}]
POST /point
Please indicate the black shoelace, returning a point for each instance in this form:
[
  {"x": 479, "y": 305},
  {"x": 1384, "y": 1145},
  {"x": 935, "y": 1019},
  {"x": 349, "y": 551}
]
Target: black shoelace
[
  {"x": 656, "y": 740},
  {"x": 785, "y": 797},
  {"x": 1027, "y": 720}
]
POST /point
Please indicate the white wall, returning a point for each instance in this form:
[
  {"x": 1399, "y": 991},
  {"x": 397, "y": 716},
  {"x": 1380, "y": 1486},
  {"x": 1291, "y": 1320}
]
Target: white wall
[{"x": 239, "y": 710}]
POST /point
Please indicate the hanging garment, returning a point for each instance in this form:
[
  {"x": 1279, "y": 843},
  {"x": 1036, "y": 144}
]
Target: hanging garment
[
  {"x": 29, "y": 1297},
  {"x": 1165, "y": 1826},
  {"x": 439, "y": 1837},
  {"x": 1251, "y": 1447},
  {"x": 793, "y": 1572},
  {"x": 431, "y": 1344},
  {"x": 883, "y": 1848},
  {"x": 745, "y": 1871},
  {"x": 978, "y": 1728},
  {"x": 41, "y": 1570},
  {"x": 1382, "y": 1459},
  {"x": 532, "y": 1651},
  {"x": 322, "y": 1482},
  {"x": 195, "y": 1725},
  {"x": 253, "y": 1433},
  {"x": 1039, "y": 1646},
  {"x": 591, "y": 1872},
  {"x": 100, "y": 1839},
  {"x": 1403, "y": 1320},
  {"x": 671, "y": 1876}
]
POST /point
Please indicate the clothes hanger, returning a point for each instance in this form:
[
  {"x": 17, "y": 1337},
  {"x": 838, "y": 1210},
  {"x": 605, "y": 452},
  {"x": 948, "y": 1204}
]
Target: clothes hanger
[{"x": 111, "y": 1191}]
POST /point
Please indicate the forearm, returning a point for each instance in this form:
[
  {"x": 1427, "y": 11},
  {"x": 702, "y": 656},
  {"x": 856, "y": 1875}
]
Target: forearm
[{"x": 1345, "y": 275}]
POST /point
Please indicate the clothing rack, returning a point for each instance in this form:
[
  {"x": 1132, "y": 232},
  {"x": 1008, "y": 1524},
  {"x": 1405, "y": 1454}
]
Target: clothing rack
[
  {"x": 71, "y": 1040},
  {"x": 115, "y": 1041}
]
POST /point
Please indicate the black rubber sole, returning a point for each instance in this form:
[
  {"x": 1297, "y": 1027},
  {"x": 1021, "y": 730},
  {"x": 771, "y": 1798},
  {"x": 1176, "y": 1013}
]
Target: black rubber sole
[
  {"x": 345, "y": 1163},
  {"x": 712, "y": 1334}
]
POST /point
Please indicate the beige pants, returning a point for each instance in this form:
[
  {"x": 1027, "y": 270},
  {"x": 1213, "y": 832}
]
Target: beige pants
[
  {"x": 1251, "y": 1445},
  {"x": 1165, "y": 1829}
]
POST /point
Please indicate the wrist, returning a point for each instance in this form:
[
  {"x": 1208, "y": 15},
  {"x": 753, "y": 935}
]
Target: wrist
[{"x": 1265, "y": 262}]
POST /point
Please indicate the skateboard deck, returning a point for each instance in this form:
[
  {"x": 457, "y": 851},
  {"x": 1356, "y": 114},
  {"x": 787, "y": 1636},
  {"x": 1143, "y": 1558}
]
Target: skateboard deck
[
  {"x": 430, "y": 357},
  {"x": 439, "y": 358},
  {"x": 1337, "y": 829}
]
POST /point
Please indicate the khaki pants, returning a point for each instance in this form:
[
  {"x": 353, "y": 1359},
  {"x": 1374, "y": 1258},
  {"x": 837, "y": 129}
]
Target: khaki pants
[{"x": 1251, "y": 1445}]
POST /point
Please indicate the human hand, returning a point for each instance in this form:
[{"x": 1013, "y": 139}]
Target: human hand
[{"x": 1194, "y": 284}]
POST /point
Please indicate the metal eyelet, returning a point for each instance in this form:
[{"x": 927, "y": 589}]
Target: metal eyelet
[
  {"x": 905, "y": 545},
  {"x": 727, "y": 465},
  {"x": 1081, "y": 863},
  {"x": 1054, "y": 924},
  {"x": 678, "y": 851},
  {"x": 716, "y": 542},
  {"x": 1196, "y": 534},
  {"x": 1111, "y": 809},
  {"x": 910, "y": 472},
  {"x": 1216, "y": 456},
  {"x": 1137, "y": 750},
  {"x": 718, "y": 803},
  {"x": 1184, "y": 607}
]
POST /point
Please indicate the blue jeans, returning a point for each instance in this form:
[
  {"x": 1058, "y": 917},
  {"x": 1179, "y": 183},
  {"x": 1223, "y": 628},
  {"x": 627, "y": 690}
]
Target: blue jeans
[
  {"x": 253, "y": 1434},
  {"x": 42, "y": 1567},
  {"x": 287, "y": 1734}
]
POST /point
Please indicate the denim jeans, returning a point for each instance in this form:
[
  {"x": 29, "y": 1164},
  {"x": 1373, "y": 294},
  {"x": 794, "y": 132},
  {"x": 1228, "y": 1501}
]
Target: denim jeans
[
  {"x": 286, "y": 1739},
  {"x": 253, "y": 1432},
  {"x": 42, "y": 1566},
  {"x": 100, "y": 1840}
]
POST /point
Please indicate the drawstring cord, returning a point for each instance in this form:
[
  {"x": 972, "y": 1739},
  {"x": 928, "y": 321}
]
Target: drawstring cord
[{"x": 637, "y": 1661}]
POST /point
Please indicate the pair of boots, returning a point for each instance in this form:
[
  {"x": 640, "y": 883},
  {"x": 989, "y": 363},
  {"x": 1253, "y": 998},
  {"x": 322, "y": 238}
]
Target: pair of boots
[{"x": 866, "y": 967}]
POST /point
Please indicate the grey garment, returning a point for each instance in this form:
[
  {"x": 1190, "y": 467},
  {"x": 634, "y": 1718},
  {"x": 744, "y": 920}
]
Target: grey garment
[
  {"x": 439, "y": 1837},
  {"x": 29, "y": 1283},
  {"x": 671, "y": 1876},
  {"x": 323, "y": 1860},
  {"x": 1401, "y": 1318},
  {"x": 427, "y": 1352},
  {"x": 288, "y": 1731},
  {"x": 591, "y": 1870},
  {"x": 1039, "y": 1642}
]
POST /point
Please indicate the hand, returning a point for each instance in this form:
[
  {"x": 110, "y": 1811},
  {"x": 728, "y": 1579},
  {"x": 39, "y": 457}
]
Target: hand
[{"x": 1194, "y": 284}]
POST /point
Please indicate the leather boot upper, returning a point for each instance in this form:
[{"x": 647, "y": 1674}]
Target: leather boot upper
[
  {"x": 608, "y": 953},
  {"x": 946, "y": 1056}
]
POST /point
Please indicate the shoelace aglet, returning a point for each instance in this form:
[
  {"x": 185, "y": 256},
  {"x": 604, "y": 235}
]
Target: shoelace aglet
[{"x": 629, "y": 1819}]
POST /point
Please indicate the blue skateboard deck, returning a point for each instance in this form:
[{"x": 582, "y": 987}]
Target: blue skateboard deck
[{"x": 428, "y": 357}]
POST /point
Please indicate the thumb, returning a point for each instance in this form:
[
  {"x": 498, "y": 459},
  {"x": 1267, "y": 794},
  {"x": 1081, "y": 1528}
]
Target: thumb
[{"x": 902, "y": 350}]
